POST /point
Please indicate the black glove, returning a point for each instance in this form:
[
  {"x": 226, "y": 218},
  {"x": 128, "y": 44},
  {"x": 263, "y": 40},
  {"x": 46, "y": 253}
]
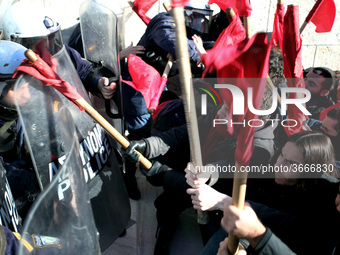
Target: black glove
[
  {"x": 155, "y": 169},
  {"x": 130, "y": 152}
]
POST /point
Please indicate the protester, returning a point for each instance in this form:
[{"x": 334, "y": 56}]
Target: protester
[
  {"x": 244, "y": 224},
  {"x": 319, "y": 81},
  {"x": 330, "y": 126},
  {"x": 292, "y": 193}
]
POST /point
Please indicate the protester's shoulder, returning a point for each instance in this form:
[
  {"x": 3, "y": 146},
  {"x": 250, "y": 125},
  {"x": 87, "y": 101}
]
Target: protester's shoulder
[
  {"x": 271, "y": 244},
  {"x": 327, "y": 187}
]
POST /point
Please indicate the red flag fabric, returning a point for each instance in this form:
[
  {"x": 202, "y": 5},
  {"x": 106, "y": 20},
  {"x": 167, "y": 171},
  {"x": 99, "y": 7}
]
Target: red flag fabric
[
  {"x": 232, "y": 34},
  {"x": 324, "y": 112},
  {"x": 277, "y": 35},
  {"x": 141, "y": 7},
  {"x": 322, "y": 15},
  {"x": 292, "y": 64},
  {"x": 248, "y": 59},
  {"x": 179, "y": 3},
  {"x": 292, "y": 44},
  {"x": 46, "y": 73},
  {"x": 241, "y": 7},
  {"x": 146, "y": 80}
]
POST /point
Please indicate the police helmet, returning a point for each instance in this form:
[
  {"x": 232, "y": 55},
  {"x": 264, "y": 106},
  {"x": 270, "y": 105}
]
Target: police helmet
[
  {"x": 198, "y": 16},
  {"x": 27, "y": 23}
]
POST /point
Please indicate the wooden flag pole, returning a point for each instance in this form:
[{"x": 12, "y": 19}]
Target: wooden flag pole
[
  {"x": 238, "y": 198},
  {"x": 168, "y": 66},
  {"x": 182, "y": 57},
  {"x": 100, "y": 119},
  {"x": 166, "y": 7},
  {"x": 303, "y": 27},
  {"x": 304, "y": 24},
  {"x": 240, "y": 179}
]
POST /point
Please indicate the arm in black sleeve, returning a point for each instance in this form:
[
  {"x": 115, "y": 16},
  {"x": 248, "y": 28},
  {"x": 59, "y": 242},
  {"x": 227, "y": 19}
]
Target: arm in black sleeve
[
  {"x": 303, "y": 234},
  {"x": 173, "y": 139},
  {"x": 85, "y": 70}
]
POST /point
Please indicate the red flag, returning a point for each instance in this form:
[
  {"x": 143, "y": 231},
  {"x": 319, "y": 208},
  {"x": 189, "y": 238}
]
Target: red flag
[
  {"x": 292, "y": 64},
  {"x": 322, "y": 15},
  {"x": 248, "y": 59},
  {"x": 179, "y": 3},
  {"x": 232, "y": 34},
  {"x": 277, "y": 35},
  {"x": 241, "y": 7},
  {"x": 141, "y": 7},
  {"x": 46, "y": 73},
  {"x": 146, "y": 80}
]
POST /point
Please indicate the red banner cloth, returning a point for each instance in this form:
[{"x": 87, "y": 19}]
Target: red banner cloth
[
  {"x": 292, "y": 64},
  {"x": 179, "y": 3},
  {"x": 277, "y": 35},
  {"x": 322, "y": 15},
  {"x": 146, "y": 80},
  {"x": 232, "y": 34},
  {"x": 248, "y": 59},
  {"x": 45, "y": 72},
  {"x": 241, "y": 7},
  {"x": 141, "y": 7}
]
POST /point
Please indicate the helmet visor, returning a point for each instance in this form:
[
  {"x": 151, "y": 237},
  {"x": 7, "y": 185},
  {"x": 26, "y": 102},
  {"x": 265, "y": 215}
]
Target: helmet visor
[
  {"x": 198, "y": 19},
  {"x": 53, "y": 42}
]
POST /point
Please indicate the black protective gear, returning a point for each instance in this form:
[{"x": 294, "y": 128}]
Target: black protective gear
[
  {"x": 130, "y": 152},
  {"x": 156, "y": 168}
]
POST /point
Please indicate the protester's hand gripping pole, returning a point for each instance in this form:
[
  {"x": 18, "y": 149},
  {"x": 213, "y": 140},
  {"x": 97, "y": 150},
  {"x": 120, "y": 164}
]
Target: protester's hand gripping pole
[
  {"x": 96, "y": 116},
  {"x": 182, "y": 57}
]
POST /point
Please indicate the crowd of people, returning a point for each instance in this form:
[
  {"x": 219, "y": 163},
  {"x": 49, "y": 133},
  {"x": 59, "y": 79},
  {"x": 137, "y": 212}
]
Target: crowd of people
[{"x": 286, "y": 212}]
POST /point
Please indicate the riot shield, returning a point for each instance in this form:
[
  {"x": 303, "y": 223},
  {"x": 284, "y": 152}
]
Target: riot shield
[
  {"x": 99, "y": 31},
  {"x": 61, "y": 220},
  {"x": 38, "y": 108},
  {"x": 8, "y": 213}
]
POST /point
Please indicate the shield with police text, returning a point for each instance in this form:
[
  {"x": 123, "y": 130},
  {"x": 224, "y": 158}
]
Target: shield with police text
[
  {"x": 60, "y": 220},
  {"x": 38, "y": 108},
  {"x": 9, "y": 216}
]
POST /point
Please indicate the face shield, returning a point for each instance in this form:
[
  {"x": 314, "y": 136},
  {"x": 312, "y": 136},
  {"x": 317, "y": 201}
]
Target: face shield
[
  {"x": 52, "y": 41},
  {"x": 198, "y": 19},
  {"x": 8, "y": 111}
]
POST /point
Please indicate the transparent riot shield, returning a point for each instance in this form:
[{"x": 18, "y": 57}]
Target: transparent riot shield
[
  {"x": 99, "y": 31},
  {"x": 61, "y": 219},
  {"x": 9, "y": 216},
  {"x": 38, "y": 108}
]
